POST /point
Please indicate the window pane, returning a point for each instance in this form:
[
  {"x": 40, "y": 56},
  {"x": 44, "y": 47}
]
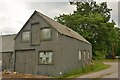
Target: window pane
[
  {"x": 50, "y": 57},
  {"x": 80, "y": 55},
  {"x": 84, "y": 55},
  {"x": 47, "y": 54},
  {"x": 41, "y": 54},
  {"x": 26, "y": 36},
  {"x": 88, "y": 54},
  {"x": 50, "y": 60},
  {"x": 46, "y": 34},
  {"x": 50, "y": 54}
]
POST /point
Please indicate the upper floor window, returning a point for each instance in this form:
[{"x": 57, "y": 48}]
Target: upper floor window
[
  {"x": 26, "y": 36},
  {"x": 45, "y": 57},
  {"x": 46, "y": 34}
]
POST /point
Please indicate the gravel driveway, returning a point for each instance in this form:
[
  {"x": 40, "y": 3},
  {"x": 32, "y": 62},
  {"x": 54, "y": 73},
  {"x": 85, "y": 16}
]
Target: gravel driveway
[{"x": 111, "y": 72}]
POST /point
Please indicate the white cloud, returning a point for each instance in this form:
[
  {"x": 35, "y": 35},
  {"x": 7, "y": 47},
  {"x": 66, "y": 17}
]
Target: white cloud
[
  {"x": 14, "y": 13},
  {"x": 107, "y": 0},
  {"x": 12, "y": 16},
  {"x": 51, "y": 9}
]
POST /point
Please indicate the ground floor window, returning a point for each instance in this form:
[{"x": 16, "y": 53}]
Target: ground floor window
[
  {"x": 80, "y": 55},
  {"x": 45, "y": 57},
  {"x": 88, "y": 54},
  {"x": 84, "y": 54}
]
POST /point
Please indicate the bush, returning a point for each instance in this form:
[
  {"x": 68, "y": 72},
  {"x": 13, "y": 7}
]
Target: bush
[{"x": 99, "y": 55}]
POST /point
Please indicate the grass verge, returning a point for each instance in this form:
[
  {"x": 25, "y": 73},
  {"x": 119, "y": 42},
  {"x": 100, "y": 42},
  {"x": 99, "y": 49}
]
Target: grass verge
[
  {"x": 94, "y": 67},
  {"x": 110, "y": 60}
]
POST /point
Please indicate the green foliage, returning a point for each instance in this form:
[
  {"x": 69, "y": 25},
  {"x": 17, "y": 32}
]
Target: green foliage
[
  {"x": 99, "y": 55},
  {"x": 94, "y": 67},
  {"x": 91, "y": 20},
  {"x": 118, "y": 45}
]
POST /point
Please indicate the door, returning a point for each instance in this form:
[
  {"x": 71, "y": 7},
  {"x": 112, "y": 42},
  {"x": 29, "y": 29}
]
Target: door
[
  {"x": 25, "y": 62},
  {"x": 7, "y": 59}
]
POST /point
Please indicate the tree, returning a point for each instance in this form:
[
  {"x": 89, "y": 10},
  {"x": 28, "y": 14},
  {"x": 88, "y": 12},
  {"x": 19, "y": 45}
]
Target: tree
[
  {"x": 117, "y": 50},
  {"x": 91, "y": 20}
]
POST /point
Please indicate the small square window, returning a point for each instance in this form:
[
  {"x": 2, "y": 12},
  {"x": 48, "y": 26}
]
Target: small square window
[
  {"x": 26, "y": 36},
  {"x": 46, "y": 34},
  {"x": 45, "y": 57}
]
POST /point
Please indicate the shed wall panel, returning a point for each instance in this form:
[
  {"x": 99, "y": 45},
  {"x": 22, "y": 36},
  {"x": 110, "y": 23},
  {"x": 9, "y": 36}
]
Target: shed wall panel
[{"x": 70, "y": 53}]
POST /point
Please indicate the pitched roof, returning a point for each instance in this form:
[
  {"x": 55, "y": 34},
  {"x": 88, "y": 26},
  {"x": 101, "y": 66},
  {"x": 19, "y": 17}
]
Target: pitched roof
[
  {"x": 63, "y": 29},
  {"x": 7, "y": 42},
  {"x": 59, "y": 27}
]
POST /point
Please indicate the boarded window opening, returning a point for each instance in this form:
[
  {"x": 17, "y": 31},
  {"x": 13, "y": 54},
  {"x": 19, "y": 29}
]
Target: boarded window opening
[{"x": 35, "y": 39}]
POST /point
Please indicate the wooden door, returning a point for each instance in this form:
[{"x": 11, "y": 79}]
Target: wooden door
[{"x": 25, "y": 62}]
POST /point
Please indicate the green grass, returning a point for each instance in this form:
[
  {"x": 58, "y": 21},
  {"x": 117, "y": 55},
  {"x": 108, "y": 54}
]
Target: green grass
[
  {"x": 110, "y": 60},
  {"x": 94, "y": 67}
]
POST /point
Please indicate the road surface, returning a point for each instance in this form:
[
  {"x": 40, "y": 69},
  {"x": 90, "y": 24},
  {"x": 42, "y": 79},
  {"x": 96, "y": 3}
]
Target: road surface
[
  {"x": 0, "y": 70},
  {"x": 111, "y": 72}
]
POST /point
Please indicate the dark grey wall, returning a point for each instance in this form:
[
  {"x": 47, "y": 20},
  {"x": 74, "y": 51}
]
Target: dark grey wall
[
  {"x": 6, "y": 50},
  {"x": 52, "y": 45},
  {"x": 7, "y": 61},
  {"x": 70, "y": 53}
]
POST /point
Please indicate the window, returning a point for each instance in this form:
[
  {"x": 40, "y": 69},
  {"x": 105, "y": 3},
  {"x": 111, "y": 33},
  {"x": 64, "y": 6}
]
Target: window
[
  {"x": 80, "y": 55},
  {"x": 26, "y": 36},
  {"x": 84, "y": 54},
  {"x": 45, "y": 57},
  {"x": 88, "y": 54},
  {"x": 46, "y": 34}
]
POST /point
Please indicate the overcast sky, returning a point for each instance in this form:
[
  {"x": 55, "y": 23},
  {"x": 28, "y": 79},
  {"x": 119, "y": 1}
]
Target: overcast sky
[{"x": 14, "y": 13}]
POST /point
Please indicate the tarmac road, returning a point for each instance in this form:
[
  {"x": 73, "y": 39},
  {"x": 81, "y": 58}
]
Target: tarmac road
[
  {"x": 111, "y": 72},
  {"x": 0, "y": 70}
]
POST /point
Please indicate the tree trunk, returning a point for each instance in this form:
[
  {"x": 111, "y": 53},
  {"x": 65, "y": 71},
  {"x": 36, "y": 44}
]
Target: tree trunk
[{"x": 113, "y": 52}]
